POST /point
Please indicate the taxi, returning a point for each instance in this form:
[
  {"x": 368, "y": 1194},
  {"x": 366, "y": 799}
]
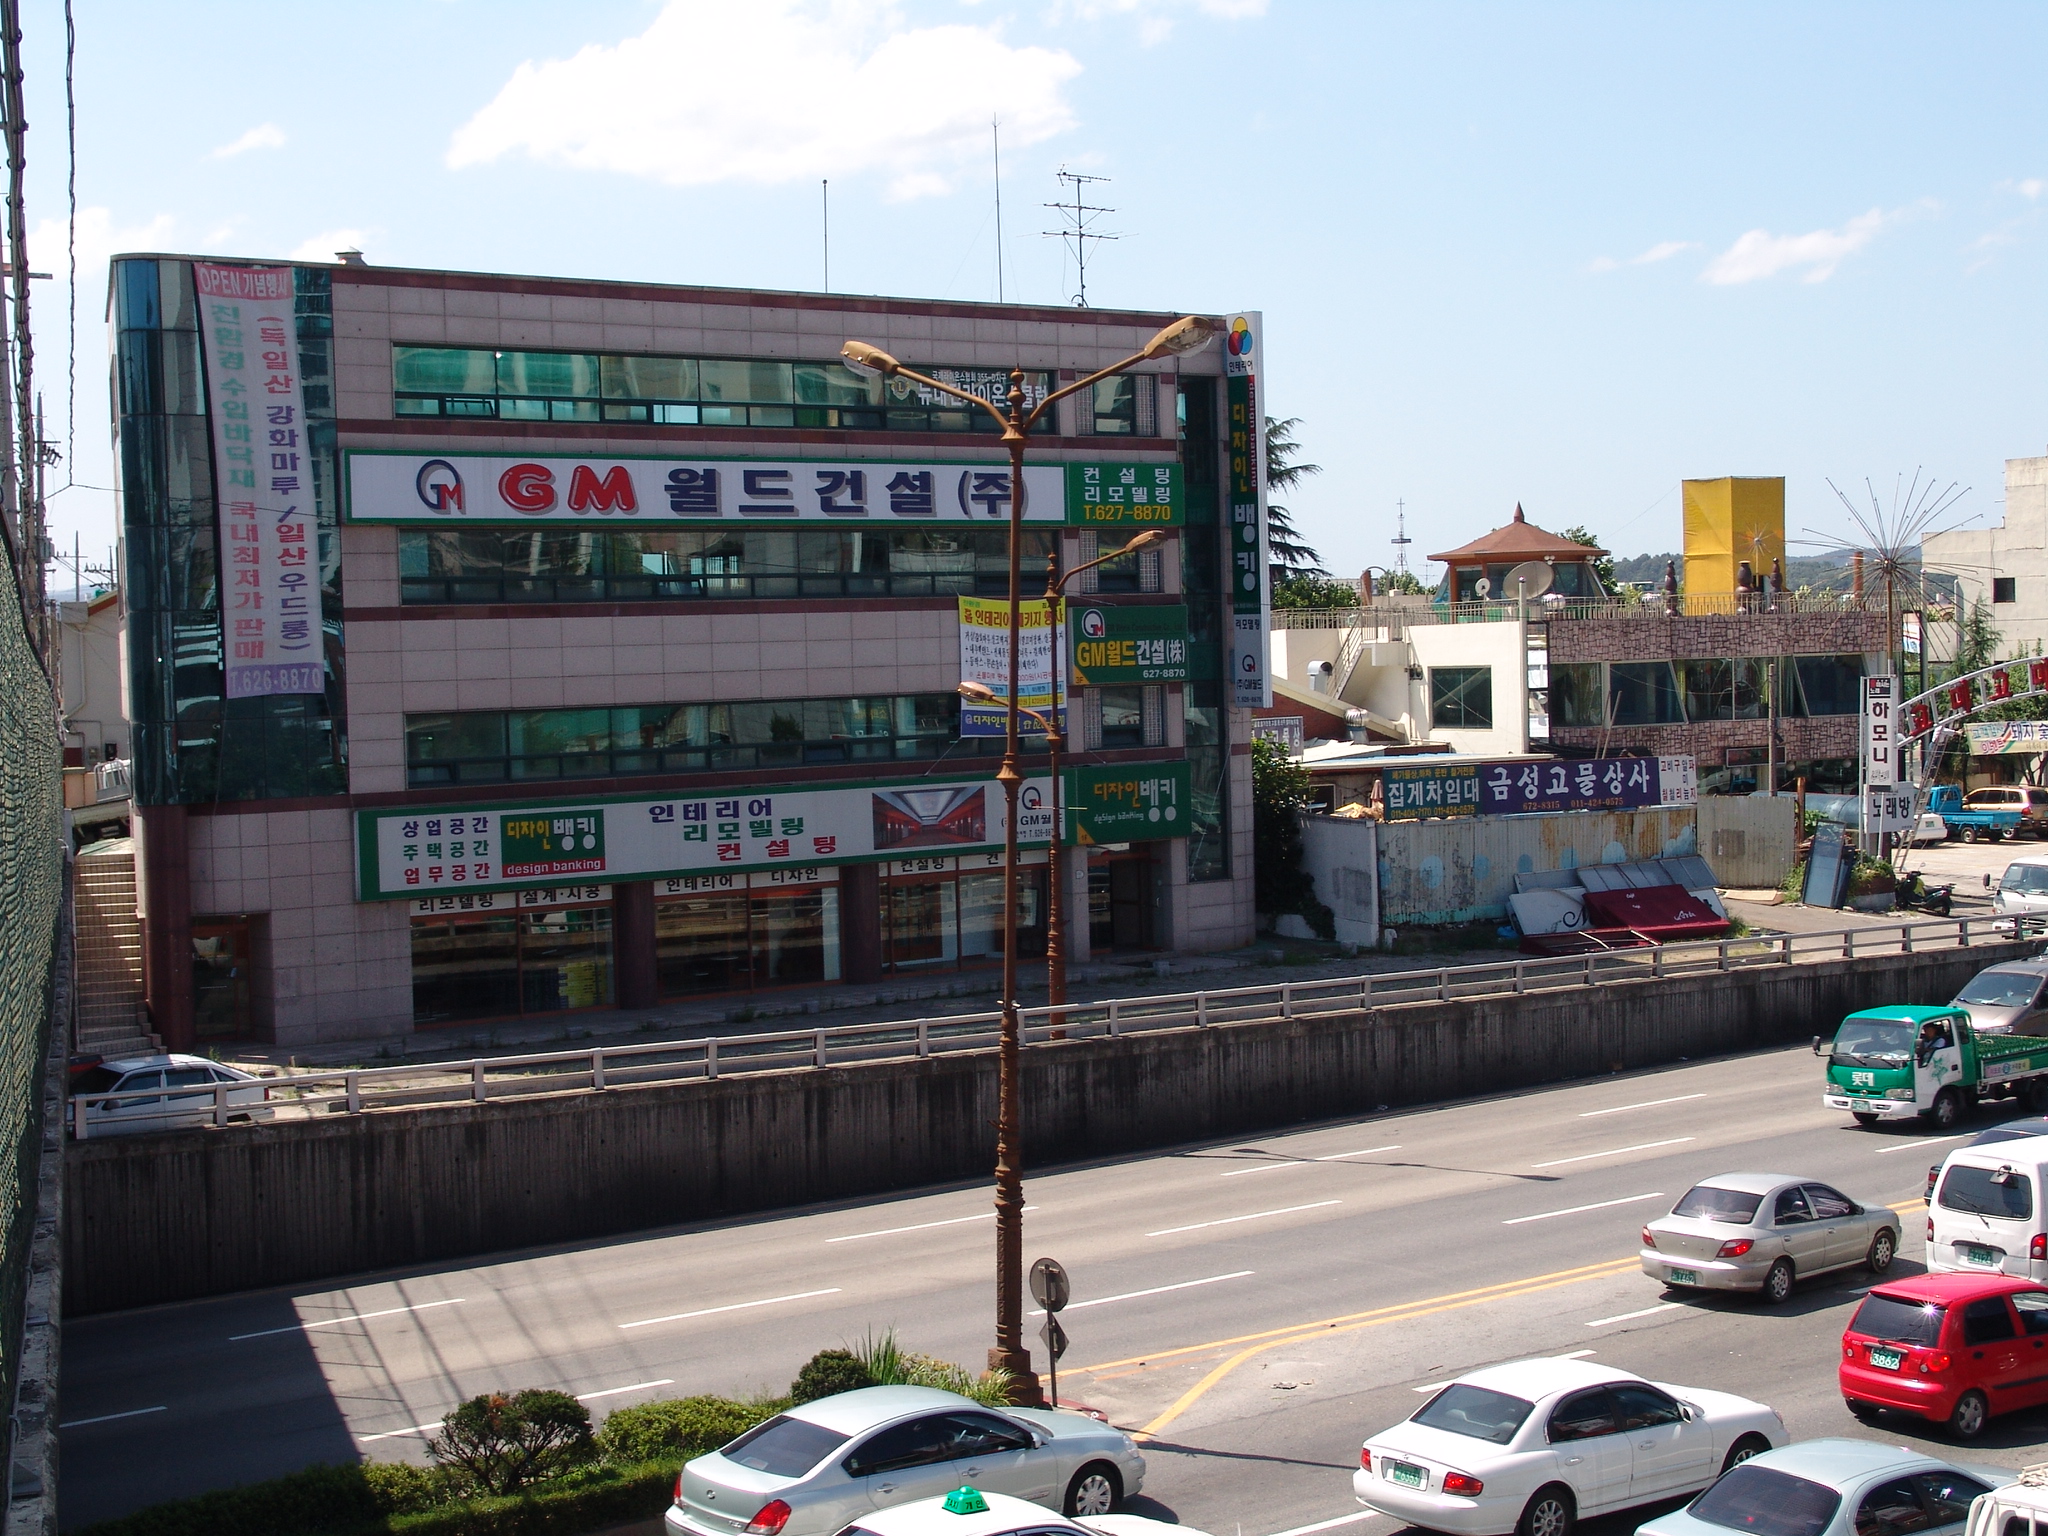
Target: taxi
[{"x": 967, "y": 1511}]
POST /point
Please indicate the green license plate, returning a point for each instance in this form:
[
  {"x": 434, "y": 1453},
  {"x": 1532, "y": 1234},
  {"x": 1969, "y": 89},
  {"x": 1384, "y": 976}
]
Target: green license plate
[
  {"x": 1975, "y": 1253},
  {"x": 1685, "y": 1277},
  {"x": 1887, "y": 1359},
  {"x": 1407, "y": 1476}
]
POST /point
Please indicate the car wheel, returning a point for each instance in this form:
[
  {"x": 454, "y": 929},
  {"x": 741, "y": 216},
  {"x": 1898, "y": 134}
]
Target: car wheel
[
  {"x": 1549, "y": 1512},
  {"x": 1947, "y": 1110},
  {"x": 1968, "y": 1419},
  {"x": 1866, "y": 1121},
  {"x": 1969, "y": 834},
  {"x": 1778, "y": 1284},
  {"x": 2009, "y": 835},
  {"x": 1743, "y": 1449},
  {"x": 1095, "y": 1490},
  {"x": 1883, "y": 1249}
]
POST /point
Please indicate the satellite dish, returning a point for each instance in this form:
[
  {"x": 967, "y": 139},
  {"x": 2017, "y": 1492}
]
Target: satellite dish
[
  {"x": 1536, "y": 574},
  {"x": 1483, "y": 587}
]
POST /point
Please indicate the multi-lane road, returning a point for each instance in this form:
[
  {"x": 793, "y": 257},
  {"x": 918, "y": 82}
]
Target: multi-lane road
[{"x": 1256, "y": 1307}]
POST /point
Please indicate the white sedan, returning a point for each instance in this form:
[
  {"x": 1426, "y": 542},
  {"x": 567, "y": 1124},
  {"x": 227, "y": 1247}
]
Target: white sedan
[
  {"x": 1532, "y": 1446},
  {"x": 132, "y": 1103}
]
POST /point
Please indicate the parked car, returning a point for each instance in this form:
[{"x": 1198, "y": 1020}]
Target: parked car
[
  {"x": 819, "y": 1466},
  {"x": 968, "y": 1511},
  {"x": 1535, "y": 1445},
  {"x": 2011, "y": 1130},
  {"x": 248, "y": 1100},
  {"x": 1834, "y": 1488},
  {"x": 1762, "y": 1231},
  {"x": 2009, "y": 998},
  {"x": 1952, "y": 1349},
  {"x": 1930, "y": 828},
  {"x": 1987, "y": 1215},
  {"x": 2030, "y": 802},
  {"x": 2024, "y": 886}
]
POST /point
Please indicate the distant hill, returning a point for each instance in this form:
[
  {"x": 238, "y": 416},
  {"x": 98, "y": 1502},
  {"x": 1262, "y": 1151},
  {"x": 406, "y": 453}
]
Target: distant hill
[{"x": 1822, "y": 573}]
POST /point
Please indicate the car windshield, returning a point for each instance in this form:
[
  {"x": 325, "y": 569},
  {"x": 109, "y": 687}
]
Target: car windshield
[
  {"x": 2003, "y": 1192},
  {"x": 1872, "y": 1041},
  {"x": 1474, "y": 1411},
  {"x": 2000, "y": 989},
  {"x": 1898, "y": 1319},
  {"x": 784, "y": 1447},
  {"x": 2031, "y": 879},
  {"x": 1709, "y": 1202},
  {"x": 1767, "y": 1502}
]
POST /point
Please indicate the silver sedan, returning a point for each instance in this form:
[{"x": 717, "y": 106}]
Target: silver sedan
[
  {"x": 1762, "y": 1231},
  {"x": 822, "y": 1466}
]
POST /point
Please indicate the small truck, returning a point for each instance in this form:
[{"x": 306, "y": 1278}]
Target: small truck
[
  {"x": 1896, "y": 1063},
  {"x": 1946, "y": 801}
]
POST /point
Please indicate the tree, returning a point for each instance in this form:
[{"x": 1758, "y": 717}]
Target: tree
[
  {"x": 1603, "y": 566},
  {"x": 1280, "y": 885},
  {"x": 1300, "y": 590},
  {"x": 1977, "y": 640},
  {"x": 1290, "y": 556},
  {"x": 1404, "y": 583},
  {"x": 499, "y": 1442}
]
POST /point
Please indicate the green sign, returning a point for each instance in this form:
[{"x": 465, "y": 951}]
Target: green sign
[
  {"x": 1124, "y": 495},
  {"x": 1127, "y": 644},
  {"x": 1131, "y": 803},
  {"x": 1414, "y": 794}
]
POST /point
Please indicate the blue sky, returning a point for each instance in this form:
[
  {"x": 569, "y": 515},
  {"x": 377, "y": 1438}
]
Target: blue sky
[{"x": 1561, "y": 255}]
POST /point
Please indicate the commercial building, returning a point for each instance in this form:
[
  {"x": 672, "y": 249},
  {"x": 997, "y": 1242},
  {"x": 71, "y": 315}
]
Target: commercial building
[
  {"x": 504, "y": 646},
  {"x": 2005, "y": 567}
]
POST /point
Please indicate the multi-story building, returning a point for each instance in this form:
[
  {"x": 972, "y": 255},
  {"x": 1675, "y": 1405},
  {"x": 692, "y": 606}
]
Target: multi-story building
[
  {"x": 508, "y": 645},
  {"x": 2005, "y": 568}
]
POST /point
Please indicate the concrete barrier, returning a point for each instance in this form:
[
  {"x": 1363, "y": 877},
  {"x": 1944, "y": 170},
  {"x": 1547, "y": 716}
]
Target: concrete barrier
[{"x": 166, "y": 1218}]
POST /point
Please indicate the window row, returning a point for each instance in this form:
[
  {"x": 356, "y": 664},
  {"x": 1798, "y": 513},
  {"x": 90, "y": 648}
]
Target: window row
[
  {"x": 1600, "y": 694},
  {"x": 480, "y": 382}
]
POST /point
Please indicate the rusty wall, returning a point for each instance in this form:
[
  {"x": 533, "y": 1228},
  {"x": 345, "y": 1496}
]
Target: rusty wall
[{"x": 1461, "y": 871}]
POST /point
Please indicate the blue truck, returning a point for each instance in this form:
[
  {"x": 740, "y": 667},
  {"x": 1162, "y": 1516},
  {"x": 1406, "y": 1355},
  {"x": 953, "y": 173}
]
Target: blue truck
[{"x": 1946, "y": 801}]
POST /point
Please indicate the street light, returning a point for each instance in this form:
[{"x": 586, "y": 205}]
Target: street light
[{"x": 1188, "y": 334}]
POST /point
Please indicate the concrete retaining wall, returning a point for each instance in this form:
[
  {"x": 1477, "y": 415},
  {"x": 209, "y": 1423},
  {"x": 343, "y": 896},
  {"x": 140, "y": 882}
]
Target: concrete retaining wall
[{"x": 164, "y": 1218}]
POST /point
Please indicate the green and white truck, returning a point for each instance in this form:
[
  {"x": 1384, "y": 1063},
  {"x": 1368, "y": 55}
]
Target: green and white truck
[{"x": 1892, "y": 1063}]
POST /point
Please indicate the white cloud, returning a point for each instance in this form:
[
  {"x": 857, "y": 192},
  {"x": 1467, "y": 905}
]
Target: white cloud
[
  {"x": 327, "y": 244},
  {"x": 262, "y": 136},
  {"x": 2031, "y": 188},
  {"x": 775, "y": 91},
  {"x": 1156, "y": 17},
  {"x": 1663, "y": 251},
  {"x": 1760, "y": 254}
]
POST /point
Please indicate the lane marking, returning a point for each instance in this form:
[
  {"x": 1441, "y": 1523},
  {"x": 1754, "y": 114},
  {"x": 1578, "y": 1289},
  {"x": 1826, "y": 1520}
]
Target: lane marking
[
  {"x": 395, "y": 1434},
  {"x": 1620, "y": 1109},
  {"x": 1573, "y": 1210},
  {"x": 353, "y": 1317},
  {"x": 108, "y": 1418},
  {"x": 922, "y": 1226},
  {"x": 1224, "y": 1221},
  {"x": 1303, "y": 1162},
  {"x": 737, "y": 1306},
  {"x": 1330, "y": 1525},
  {"x": 1927, "y": 1141},
  {"x": 1629, "y": 1317},
  {"x": 1157, "y": 1290},
  {"x": 1641, "y": 1146},
  {"x": 638, "y": 1386}
]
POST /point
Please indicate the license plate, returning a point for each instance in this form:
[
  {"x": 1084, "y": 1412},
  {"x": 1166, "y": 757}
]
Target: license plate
[
  {"x": 1407, "y": 1476},
  {"x": 1685, "y": 1277},
  {"x": 1887, "y": 1359},
  {"x": 1975, "y": 1253}
]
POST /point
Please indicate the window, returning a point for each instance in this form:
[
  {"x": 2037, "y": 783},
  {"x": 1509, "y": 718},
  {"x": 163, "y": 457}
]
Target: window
[
  {"x": 1645, "y": 693},
  {"x": 1948, "y": 1495},
  {"x": 1731, "y": 689},
  {"x": 2032, "y": 1307},
  {"x": 918, "y": 1443},
  {"x": 1120, "y": 407},
  {"x": 2002, "y": 1192},
  {"x": 2002, "y": 588},
  {"x": 784, "y": 1447},
  {"x": 1583, "y": 1416},
  {"x": 2002, "y": 989},
  {"x": 1475, "y": 1411},
  {"x": 1828, "y": 1203},
  {"x": 1576, "y": 694},
  {"x": 1123, "y": 717},
  {"x": 1987, "y": 1321},
  {"x": 1826, "y": 685},
  {"x": 1643, "y": 1407},
  {"x": 1898, "y": 1320},
  {"x": 1791, "y": 1209},
  {"x": 1461, "y": 698},
  {"x": 1709, "y": 1202},
  {"x": 981, "y": 1434},
  {"x": 1202, "y": 727},
  {"x": 1125, "y": 573},
  {"x": 1891, "y": 1510},
  {"x": 1765, "y": 1502}
]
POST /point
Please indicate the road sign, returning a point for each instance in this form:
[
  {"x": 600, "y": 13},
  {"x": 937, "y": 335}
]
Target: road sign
[
  {"x": 1049, "y": 1285},
  {"x": 1055, "y": 1337}
]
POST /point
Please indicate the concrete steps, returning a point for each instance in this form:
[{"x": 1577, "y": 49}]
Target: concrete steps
[{"x": 110, "y": 1017}]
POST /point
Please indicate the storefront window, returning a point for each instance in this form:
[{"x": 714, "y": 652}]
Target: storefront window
[
  {"x": 1575, "y": 694},
  {"x": 502, "y": 964},
  {"x": 1644, "y": 693},
  {"x": 730, "y": 941},
  {"x": 951, "y": 920}
]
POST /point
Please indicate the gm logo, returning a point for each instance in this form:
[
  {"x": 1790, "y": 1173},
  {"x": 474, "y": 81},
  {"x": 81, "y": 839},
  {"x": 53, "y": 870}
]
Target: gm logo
[
  {"x": 439, "y": 486},
  {"x": 1093, "y": 625}
]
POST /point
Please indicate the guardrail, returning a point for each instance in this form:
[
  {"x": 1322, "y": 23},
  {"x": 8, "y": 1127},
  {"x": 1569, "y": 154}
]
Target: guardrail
[{"x": 308, "y": 1095}]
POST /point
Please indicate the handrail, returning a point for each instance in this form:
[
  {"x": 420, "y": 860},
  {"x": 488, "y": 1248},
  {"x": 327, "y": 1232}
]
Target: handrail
[{"x": 309, "y": 1096}]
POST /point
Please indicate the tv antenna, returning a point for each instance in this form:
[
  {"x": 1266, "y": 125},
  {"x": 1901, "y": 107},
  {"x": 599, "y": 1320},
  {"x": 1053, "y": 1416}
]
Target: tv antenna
[
  {"x": 1080, "y": 216},
  {"x": 1401, "y": 541}
]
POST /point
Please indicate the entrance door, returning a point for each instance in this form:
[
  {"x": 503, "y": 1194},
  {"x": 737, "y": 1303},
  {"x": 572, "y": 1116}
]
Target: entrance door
[
  {"x": 1130, "y": 904},
  {"x": 220, "y": 979}
]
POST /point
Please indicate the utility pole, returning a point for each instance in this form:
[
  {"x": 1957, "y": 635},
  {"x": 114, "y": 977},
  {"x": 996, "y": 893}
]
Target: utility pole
[{"x": 1079, "y": 215}]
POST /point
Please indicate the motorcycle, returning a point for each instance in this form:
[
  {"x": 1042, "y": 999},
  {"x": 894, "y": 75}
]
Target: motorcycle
[{"x": 1914, "y": 892}]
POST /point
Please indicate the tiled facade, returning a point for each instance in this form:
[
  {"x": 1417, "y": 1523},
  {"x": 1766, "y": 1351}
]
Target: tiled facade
[
  {"x": 327, "y": 966},
  {"x": 1746, "y": 634}
]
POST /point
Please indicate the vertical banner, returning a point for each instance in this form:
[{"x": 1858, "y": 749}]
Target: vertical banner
[
  {"x": 1250, "y": 601},
  {"x": 1880, "y": 707},
  {"x": 985, "y": 659},
  {"x": 262, "y": 483}
]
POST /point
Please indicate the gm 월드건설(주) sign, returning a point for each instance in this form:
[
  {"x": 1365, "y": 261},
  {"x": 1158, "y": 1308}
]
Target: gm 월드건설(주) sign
[
  {"x": 411, "y": 853},
  {"x": 439, "y": 490},
  {"x": 1128, "y": 803},
  {"x": 1127, "y": 643}
]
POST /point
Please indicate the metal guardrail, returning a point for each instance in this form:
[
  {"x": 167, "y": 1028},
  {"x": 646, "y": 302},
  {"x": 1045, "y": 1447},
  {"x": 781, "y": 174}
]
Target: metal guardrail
[
  {"x": 306, "y": 1096},
  {"x": 1394, "y": 618}
]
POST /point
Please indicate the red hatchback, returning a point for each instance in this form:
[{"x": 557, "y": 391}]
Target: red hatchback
[{"x": 1953, "y": 1348}]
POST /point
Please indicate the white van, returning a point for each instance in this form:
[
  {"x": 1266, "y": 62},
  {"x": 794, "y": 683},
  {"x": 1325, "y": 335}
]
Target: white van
[
  {"x": 1990, "y": 1211},
  {"x": 2019, "y": 1509},
  {"x": 2024, "y": 888}
]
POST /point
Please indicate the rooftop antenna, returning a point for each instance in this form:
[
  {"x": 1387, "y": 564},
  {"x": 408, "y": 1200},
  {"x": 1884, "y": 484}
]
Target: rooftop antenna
[
  {"x": 1401, "y": 541},
  {"x": 825, "y": 195},
  {"x": 1079, "y": 215},
  {"x": 995, "y": 129}
]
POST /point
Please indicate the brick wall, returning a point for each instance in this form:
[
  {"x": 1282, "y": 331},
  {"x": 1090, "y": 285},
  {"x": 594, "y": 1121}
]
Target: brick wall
[
  {"x": 1798, "y": 740},
  {"x": 1747, "y": 634}
]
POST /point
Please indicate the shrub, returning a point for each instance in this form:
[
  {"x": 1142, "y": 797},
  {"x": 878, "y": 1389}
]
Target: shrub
[
  {"x": 679, "y": 1429},
  {"x": 499, "y": 1442},
  {"x": 828, "y": 1373}
]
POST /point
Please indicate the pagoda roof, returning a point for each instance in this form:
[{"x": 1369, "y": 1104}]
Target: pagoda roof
[{"x": 1516, "y": 541}]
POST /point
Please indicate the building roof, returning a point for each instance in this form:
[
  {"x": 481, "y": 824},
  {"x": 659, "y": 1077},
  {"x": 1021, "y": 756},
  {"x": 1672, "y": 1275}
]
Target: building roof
[{"x": 1519, "y": 540}]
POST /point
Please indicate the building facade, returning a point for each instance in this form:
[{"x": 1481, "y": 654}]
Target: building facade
[
  {"x": 524, "y": 645},
  {"x": 2005, "y": 568}
]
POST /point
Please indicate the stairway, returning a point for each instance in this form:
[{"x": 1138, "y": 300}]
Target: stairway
[{"x": 111, "y": 1019}]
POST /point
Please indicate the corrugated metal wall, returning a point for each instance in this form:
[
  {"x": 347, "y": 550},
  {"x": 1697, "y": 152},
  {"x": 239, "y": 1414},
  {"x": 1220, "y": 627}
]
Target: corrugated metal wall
[
  {"x": 1342, "y": 856},
  {"x": 1750, "y": 841},
  {"x": 1462, "y": 871}
]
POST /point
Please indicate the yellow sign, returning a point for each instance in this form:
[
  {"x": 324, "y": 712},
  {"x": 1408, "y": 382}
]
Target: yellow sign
[{"x": 1728, "y": 521}]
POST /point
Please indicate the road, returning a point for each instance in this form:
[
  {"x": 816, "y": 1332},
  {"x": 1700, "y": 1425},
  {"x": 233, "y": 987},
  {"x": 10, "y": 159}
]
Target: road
[{"x": 1258, "y": 1306}]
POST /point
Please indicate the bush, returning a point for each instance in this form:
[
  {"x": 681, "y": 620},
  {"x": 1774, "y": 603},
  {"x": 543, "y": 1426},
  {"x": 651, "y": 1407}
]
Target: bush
[
  {"x": 828, "y": 1373},
  {"x": 889, "y": 1365},
  {"x": 501, "y": 1441},
  {"x": 679, "y": 1429}
]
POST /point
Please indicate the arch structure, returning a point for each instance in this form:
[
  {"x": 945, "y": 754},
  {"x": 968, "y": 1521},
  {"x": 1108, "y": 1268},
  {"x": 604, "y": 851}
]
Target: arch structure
[{"x": 1930, "y": 720}]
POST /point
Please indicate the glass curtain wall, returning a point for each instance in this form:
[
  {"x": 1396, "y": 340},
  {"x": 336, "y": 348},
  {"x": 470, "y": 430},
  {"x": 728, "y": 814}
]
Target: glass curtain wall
[{"x": 1205, "y": 719}]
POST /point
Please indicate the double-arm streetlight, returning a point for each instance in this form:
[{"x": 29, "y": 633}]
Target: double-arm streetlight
[{"x": 1190, "y": 333}]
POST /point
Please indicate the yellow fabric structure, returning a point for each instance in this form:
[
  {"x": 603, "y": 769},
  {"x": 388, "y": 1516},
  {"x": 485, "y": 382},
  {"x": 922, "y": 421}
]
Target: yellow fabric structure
[{"x": 1727, "y": 521}]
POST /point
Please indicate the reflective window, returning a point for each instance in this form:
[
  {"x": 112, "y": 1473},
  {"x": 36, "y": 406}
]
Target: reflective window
[
  {"x": 1644, "y": 693},
  {"x": 2002, "y": 1192},
  {"x": 1987, "y": 1321},
  {"x": 1709, "y": 1202},
  {"x": 1461, "y": 698},
  {"x": 1584, "y": 1416},
  {"x": 1766, "y": 1502},
  {"x": 1462, "y": 1409},
  {"x": 1891, "y": 1509},
  {"x": 784, "y": 1447},
  {"x": 1791, "y": 1209}
]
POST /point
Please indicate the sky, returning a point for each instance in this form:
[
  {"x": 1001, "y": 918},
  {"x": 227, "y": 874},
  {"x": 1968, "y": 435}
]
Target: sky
[{"x": 1561, "y": 255}]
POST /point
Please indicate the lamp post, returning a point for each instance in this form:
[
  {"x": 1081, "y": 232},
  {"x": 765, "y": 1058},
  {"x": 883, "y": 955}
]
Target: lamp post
[{"x": 1188, "y": 334}]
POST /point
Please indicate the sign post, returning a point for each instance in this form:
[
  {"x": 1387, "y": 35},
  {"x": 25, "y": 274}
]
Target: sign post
[
  {"x": 1051, "y": 1289},
  {"x": 1879, "y": 766}
]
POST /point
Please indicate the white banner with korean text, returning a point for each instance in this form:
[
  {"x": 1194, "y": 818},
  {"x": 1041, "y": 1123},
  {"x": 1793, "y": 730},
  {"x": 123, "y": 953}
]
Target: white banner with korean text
[
  {"x": 985, "y": 659},
  {"x": 271, "y": 639}
]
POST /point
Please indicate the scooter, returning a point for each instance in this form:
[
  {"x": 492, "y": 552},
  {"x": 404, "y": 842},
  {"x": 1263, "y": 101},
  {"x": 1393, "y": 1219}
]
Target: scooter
[{"x": 1916, "y": 893}]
